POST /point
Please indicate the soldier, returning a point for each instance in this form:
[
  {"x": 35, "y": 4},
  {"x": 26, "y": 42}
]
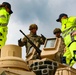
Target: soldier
[
  {"x": 59, "y": 55},
  {"x": 5, "y": 12},
  {"x": 57, "y": 32},
  {"x": 36, "y": 39}
]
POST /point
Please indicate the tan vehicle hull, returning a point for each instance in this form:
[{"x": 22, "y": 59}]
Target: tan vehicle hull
[{"x": 11, "y": 62}]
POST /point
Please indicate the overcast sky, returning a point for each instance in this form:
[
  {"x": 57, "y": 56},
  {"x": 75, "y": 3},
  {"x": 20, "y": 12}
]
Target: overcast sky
[{"x": 42, "y": 12}]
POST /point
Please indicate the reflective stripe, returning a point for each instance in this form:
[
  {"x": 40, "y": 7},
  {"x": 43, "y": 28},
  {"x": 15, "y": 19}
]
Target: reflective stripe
[
  {"x": 67, "y": 33},
  {"x": 5, "y": 24},
  {"x": 71, "y": 28},
  {"x": 2, "y": 16}
]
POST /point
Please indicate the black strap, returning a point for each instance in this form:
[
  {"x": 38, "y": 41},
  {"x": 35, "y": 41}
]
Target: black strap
[
  {"x": 71, "y": 42},
  {"x": 73, "y": 57},
  {"x": 72, "y": 60},
  {"x": 0, "y": 39}
]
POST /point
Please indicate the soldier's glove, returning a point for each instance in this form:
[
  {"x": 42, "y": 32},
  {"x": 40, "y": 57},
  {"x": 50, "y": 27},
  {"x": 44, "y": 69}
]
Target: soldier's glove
[
  {"x": 19, "y": 41},
  {"x": 0, "y": 34},
  {"x": 43, "y": 37}
]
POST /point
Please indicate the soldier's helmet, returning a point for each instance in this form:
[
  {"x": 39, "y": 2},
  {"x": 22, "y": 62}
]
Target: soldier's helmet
[
  {"x": 57, "y": 30},
  {"x": 33, "y": 26}
]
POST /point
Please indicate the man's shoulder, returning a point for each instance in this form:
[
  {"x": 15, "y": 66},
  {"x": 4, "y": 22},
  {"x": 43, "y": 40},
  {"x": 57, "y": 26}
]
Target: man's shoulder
[
  {"x": 38, "y": 35},
  {"x": 71, "y": 17},
  {"x": 28, "y": 35}
]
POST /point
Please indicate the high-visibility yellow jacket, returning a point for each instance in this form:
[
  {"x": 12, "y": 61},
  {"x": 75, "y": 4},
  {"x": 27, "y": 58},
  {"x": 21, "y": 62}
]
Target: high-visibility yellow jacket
[
  {"x": 68, "y": 26},
  {"x": 4, "y": 16},
  {"x": 4, "y": 19}
]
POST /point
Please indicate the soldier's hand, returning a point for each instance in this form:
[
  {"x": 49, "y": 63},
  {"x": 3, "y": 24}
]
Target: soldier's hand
[
  {"x": 19, "y": 41},
  {"x": 43, "y": 37}
]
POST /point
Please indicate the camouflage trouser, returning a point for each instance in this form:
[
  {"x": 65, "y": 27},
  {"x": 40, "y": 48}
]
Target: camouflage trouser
[{"x": 58, "y": 57}]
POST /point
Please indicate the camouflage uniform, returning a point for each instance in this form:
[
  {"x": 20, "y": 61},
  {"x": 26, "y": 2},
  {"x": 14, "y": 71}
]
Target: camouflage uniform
[
  {"x": 59, "y": 54},
  {"x": 36, "y": 39}
]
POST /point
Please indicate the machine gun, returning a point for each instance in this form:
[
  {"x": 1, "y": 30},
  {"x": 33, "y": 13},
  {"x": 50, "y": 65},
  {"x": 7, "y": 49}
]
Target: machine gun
[
  {"x": 43, "y": 37},
  {"x": 37, "y": 49}
]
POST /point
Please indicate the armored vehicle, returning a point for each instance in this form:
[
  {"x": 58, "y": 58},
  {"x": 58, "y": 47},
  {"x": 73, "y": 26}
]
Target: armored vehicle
[{"x": 12, "y": 63}]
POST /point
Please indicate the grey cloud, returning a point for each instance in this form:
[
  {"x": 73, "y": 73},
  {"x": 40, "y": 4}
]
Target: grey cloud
[
  {"x": 45, "y": 11},
  {"x": 27, "y": 11}
]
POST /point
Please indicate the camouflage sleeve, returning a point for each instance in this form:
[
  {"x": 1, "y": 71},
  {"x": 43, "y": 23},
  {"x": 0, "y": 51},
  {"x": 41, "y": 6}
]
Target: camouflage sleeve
[{"x": 24, "y": 40}]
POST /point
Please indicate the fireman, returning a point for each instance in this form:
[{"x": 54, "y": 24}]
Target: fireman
[
  {"x": 5, "y": 12},
  {"x": 68, "y": 28}
]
